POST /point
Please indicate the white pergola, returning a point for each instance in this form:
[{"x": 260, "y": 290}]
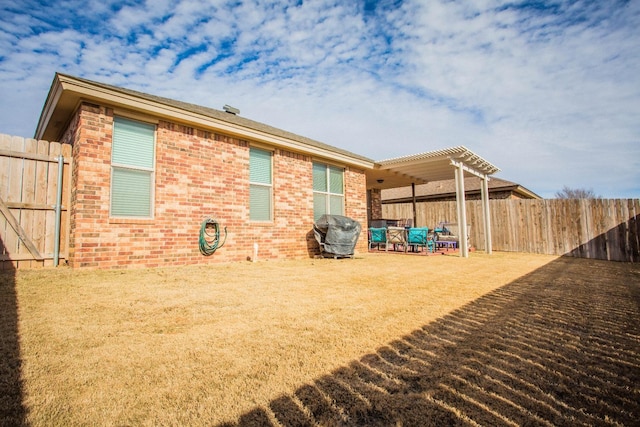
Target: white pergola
[{"x": 437, "y": 166}]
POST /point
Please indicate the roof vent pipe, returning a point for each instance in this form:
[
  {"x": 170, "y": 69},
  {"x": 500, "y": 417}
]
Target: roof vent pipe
[{"x": 231, "y": 110}]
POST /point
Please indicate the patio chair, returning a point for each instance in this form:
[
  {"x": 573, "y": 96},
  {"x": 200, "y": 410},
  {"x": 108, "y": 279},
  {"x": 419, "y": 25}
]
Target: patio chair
[
  {"x": 396, "y": 236},
  {"x": 377, "y": 236},
  {"x": 420, "y": 237},
  {"x": 378, "y": 223},
  {"x": 449, "y": 237},
  {"x": 407, "y": 223}
]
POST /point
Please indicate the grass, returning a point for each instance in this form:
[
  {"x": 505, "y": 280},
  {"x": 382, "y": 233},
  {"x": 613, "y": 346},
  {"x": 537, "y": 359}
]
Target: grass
[{"x": 208, "y": 345}]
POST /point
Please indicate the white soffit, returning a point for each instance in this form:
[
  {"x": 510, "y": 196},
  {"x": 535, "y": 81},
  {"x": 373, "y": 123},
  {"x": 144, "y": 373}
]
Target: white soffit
[{"x": 425, "y": 167}]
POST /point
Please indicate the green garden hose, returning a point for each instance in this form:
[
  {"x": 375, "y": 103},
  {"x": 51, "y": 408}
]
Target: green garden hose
[{"x": 210, "y": 236}]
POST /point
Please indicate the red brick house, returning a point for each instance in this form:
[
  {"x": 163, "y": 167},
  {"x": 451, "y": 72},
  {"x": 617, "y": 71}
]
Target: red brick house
[{"x": 147, "y": 171}]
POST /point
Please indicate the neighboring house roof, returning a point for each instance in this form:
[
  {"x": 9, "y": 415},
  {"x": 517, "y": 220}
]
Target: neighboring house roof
[
  {"x": 68, "y": 91},
  {"x": 447, "y": 188}
]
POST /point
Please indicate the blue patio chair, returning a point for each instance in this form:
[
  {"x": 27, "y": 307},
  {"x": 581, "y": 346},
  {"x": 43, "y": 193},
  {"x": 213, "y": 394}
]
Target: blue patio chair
[
  {"x": 377, "y": 236},
  {"x": 419, "y": 237}
]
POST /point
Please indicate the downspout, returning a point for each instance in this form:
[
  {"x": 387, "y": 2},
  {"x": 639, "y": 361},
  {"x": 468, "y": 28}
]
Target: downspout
[{"x": 56, "y": 243}]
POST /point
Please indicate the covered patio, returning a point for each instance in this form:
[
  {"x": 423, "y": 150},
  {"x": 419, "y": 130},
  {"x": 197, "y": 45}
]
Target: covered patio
[{"x": 456, "y": 162}]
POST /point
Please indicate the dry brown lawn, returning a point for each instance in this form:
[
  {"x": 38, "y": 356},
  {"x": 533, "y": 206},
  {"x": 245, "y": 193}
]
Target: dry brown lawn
[{"x": 506, "y": 339}]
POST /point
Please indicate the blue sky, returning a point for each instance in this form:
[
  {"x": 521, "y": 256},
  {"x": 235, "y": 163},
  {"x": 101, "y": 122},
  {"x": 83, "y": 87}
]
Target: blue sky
[{"x": 548, "y": 91}]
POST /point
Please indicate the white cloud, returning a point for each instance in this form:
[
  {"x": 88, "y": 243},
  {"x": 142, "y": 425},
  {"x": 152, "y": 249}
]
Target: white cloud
[{"x": 549, "y": 95}]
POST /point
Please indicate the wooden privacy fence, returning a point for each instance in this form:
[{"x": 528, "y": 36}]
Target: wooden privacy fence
[
  {"x": 586, "y": 228},
  {"x": 29, "y": 171}
]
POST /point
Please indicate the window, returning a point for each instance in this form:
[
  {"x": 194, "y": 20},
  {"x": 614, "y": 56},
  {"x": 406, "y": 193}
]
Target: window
[
  {"x": 132, "y": 168},
  {"x": 260, "y": 185},
  {"x": 328, "y": 190}
]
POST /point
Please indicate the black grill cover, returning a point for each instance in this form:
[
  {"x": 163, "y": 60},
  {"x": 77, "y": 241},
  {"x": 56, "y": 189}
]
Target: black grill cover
[{"x": 337, "y": 234}]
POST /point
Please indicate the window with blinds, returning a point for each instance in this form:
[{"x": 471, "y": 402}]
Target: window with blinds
[
  {"x": 132, "y": 168},
  {"x": 260, "y": 185},
  {"x": 328, "y": 190}
]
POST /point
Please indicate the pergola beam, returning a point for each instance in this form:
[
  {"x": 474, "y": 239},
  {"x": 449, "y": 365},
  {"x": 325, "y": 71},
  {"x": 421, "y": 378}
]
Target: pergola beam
[{"x": 467, "y": 169}]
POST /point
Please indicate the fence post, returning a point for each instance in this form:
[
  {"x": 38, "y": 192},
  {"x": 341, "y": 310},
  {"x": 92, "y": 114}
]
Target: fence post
[
  {"x": 486, "y": 212},
  {"x": 56, "y": 243}
]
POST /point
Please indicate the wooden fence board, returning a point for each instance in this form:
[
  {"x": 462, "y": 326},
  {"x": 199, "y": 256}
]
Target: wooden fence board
[
  {"x": 621, "y": 231},
  {"x": 12, "y": 241},
  {"x": 598, "y": 228},
  {"x": 5, "y": 162},
  {"x": 28, "y": 196},
  {"x": 28, "y": 187},
  {"x": 596, "y": 219},
  {"x": 632, "y": 237},
  {"x": 40, "y": 196}
]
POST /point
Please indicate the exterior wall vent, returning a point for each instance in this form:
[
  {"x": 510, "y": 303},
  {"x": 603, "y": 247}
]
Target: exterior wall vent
[{"x": 231, "y": 110}]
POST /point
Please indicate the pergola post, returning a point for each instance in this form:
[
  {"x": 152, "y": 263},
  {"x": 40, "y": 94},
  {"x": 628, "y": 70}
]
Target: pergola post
[
  {"x": 413, "y": 202},
  {"x": 486, "y": 213},
  {"x": 462, "y": 211}
]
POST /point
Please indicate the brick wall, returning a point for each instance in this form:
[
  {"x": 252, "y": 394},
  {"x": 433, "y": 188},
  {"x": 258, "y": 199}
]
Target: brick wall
[
  {"x": 375, "y": 204},
  {"x": 198, "y": 175},
  {"x": 356, "y": 202}
]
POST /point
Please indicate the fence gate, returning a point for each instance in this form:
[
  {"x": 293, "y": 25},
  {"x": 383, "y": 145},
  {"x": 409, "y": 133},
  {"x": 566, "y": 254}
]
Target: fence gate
[{"x": 34, "y": 200}]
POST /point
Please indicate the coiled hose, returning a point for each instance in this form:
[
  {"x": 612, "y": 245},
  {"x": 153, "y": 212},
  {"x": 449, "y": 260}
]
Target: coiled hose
[{"x": 210, "y": 236}]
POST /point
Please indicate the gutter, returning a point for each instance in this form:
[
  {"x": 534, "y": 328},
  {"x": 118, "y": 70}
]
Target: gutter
[{"x": 66, "y": 88}]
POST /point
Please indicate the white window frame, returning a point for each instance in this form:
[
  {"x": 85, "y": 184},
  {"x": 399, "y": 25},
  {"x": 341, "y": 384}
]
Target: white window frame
[
  {"x": 122, "y": 166},
  {"x": 268, "y": 186},
  {"x": 329, "y": 193}
]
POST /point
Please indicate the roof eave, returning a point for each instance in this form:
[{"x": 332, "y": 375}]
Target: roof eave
[
  {"x": 53, "y": 97},
  {"x": 67, "y": 92},
  {"x": 529, "y": 193}
]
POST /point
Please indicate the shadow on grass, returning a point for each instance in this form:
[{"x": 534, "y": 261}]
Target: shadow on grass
[
  {"x": 12, "y": 412},
  {"x": 560, "y": 346}
]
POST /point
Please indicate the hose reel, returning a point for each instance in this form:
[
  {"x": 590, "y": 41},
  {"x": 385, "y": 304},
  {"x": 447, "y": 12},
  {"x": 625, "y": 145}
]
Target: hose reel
[{"x": 210, "y": 236}]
